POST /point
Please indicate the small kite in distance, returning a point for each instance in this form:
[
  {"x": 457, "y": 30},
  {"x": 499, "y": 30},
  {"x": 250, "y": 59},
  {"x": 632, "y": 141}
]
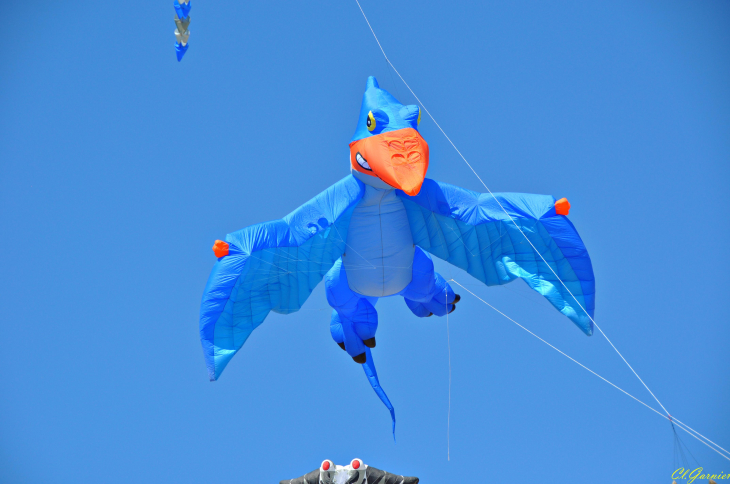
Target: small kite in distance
[{"x": 182, "y": 22}]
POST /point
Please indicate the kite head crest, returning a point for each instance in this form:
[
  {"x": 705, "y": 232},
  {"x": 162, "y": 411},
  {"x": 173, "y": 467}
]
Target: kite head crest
[{"x": 387, "y": 150}]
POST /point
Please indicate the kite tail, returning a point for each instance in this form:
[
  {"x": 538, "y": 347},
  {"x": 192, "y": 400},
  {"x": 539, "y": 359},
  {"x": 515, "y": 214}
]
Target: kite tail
[{"x": 369, "y": 367}]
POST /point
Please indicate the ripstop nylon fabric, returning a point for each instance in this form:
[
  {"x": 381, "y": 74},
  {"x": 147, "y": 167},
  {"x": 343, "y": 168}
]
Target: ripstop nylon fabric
[
  {"x": 471, "y": 231},
  {"x": 276, "y": 265},
  {"x": 273, "y": 266}
]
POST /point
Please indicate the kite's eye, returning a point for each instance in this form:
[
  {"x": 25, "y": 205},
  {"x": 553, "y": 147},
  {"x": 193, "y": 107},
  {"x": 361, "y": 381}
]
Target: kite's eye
[
  {"x": 371, "y": 121},
  {"x": 356, "y": 463},
  {"x": 377, "y": 121},
  {"x": 327, "y": 465}
]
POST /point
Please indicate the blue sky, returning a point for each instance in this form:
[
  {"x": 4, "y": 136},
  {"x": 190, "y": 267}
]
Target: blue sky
[{"x": 120, "y": 167}]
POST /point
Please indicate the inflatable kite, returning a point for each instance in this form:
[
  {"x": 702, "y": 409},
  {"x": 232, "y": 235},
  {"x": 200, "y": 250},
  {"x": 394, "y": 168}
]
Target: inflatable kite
[
  {"x": 182, "y": 22},
  {"x": 372, "y": 234},
  {"x": 355, "y": 473}
]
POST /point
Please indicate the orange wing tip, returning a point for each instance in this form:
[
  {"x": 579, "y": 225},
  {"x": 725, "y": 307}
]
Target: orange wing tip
[
  {"x": 562, "y": 206},
  {"x": 220, "y": 248}
]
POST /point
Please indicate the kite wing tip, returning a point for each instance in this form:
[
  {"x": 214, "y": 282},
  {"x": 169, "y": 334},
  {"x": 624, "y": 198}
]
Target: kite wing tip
[{"x": 562, "y": 207}]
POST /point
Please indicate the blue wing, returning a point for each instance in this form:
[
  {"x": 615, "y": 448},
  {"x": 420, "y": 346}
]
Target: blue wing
[
  {"x": 471, "y": 231},
  {"x": 273, "y": 266}
]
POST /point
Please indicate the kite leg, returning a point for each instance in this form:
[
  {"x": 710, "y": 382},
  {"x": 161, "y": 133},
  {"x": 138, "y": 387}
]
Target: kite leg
[
  {"x": 354, "y": 318},
  {"x": 428, "y": 292},
  {"x": 353, "y": 325}
]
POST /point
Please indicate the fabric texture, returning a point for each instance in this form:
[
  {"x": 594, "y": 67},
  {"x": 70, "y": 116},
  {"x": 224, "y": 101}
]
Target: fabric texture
[
  {"x": 273, "y": 266},
  {"x": 472, "y": 232},
  {"x": 380, "y": 248},
  {"x": 388, "y": 114},
  {"x": 355, "y": 319}
]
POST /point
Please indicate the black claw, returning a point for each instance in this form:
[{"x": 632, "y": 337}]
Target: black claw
[
  {"x": 370, "y": 343},
  {"x": 453, "y": 309},
  {"x": 457, "y": 298},
  {"x": 361, "y": 358},
  {"x": 429, "y": 315},
  {"x": 342, "y": 345}
]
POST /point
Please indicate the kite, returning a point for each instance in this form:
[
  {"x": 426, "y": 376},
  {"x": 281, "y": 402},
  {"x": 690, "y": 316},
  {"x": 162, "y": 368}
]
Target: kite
[
  {"x": 355, "y": 473},
  {"x": 182, "y": 22},
  {"x": 372, "y": 235}
]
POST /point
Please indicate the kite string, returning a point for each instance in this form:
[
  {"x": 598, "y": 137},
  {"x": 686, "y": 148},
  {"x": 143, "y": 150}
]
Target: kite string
[
  {"x": 448, "y": 344},
  {"x": 682, "y": 426},
  {"x": 505, "y": 211},
  {"x": 671, "y": 419}
]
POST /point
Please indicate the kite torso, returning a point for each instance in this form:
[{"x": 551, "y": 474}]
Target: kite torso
[{"x": 379, "y": 254}]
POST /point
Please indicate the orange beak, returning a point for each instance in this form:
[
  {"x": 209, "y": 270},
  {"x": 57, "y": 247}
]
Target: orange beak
[{"x": 399, "y": 158}]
